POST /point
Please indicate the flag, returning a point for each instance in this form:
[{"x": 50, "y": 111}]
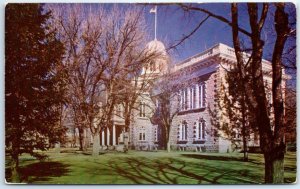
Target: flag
[{"x": 153, "y": 10}]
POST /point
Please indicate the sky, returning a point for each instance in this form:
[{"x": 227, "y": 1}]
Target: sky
[{"x": 173, "y": 23}]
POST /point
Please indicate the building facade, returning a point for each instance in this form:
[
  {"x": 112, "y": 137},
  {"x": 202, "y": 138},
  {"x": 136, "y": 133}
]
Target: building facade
[{"x": 199, "y": 80}]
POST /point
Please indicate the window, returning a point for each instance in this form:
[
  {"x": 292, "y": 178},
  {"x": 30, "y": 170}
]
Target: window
[
  {"x": 181, "y": 99},
  {"x": 142, "y": 134},
  {"x": 200, "y": 130},
  {"x": 236, "y": 134},
  {"x": 202, "y": 95},
  {"x": 142, "y": 109},
  {"x": 185, "y": 99},
  {"x": 119, "y": 111},
  {"x": 192, "y": 97},
  {"x": 155, "y": 134},
  {"x": 182, "y": 133}
]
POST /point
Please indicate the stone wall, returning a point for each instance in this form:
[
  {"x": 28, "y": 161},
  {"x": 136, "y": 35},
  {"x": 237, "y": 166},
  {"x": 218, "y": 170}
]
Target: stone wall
[{"x": 191, "y": 117}]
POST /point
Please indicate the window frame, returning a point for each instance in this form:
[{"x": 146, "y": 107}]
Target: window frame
[
  {"x": 200, "y": 130},
  {"x": 142, "y": 109},
  {"x": 142, "y": 134},
  {"x": 183, "y": 131}
]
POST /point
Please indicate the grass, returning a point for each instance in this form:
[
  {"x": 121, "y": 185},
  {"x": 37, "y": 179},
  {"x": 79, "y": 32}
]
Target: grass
[{"x": 147, "y": 168}]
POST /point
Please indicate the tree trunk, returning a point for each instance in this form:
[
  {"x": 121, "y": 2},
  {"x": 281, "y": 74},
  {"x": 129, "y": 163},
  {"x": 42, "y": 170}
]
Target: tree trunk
[
  {"x": 168, "y": 146},
  {"x": 15, "y": 177},
  {"x": 244, "y": 133},
  {"x": 274, "y": 167},
  {"x": 96, "y": 144},
  {"x": 80, "y": 139},
  {"x": 86, "y": 140},
  {"x": 245, "y": 146}
]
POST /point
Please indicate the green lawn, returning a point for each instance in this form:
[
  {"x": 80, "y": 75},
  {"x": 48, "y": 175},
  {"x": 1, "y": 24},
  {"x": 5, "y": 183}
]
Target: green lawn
[{"x": 147, "y": 168}]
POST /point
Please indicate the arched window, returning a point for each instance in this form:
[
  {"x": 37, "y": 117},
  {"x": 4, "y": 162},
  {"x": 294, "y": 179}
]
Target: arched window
[
  {"x": 202, "y": 95},
  {"x": 199, "y": 130},
  {"x": 182, "y": 131}
]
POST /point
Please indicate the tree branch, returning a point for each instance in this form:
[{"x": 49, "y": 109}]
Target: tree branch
[
  {"x": 190, "y": 34},
  {"x": 221, "y": 18}
]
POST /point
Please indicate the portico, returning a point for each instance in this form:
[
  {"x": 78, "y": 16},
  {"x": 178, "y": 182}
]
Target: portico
[{"x": 112, "y": 136}]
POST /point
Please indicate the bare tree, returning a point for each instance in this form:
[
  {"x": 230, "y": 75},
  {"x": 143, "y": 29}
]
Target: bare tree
[
  {"x": 165, "y": 95},
  {"x": 104, "y": 58},
  {"x": 271, "y": 136}
]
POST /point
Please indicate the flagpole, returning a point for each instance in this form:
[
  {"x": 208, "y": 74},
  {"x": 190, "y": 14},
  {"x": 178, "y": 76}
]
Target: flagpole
[{"x": 155, "y": 21}]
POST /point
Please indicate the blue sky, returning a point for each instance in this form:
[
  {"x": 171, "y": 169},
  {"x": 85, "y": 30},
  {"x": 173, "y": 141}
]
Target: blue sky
[{"x": 173, "y": 24}]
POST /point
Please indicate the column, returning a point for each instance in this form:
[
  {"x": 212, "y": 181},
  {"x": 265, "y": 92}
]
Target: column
[
  {"x": 102, "y": 141},
  {"x": 107, "y": 136},
  {"x": 114, "y": 134}
]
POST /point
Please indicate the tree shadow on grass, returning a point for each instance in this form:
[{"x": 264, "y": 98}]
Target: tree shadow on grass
[
  {"x": 220, "y": 158},
  {"x": 173, "y": 171},
  {"x": 40, "y": 171}
]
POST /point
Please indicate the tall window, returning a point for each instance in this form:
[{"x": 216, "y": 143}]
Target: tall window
[
  {"x": 185, "y": 98},
  {"x": 200, "y": 130},
  {"x": 155, "y": 134},
  {"x": 119, "y": 111},
  {"x": 193, "y": 97},
  {"x": 182, "y": 133},
  {"x": 181, "y": 99},
  {"x": 201, "y": 95},
  {"x": 236, "y": 134},
  {"x": 142, "y": 134},
  {"x": 142, "y": 109}
]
